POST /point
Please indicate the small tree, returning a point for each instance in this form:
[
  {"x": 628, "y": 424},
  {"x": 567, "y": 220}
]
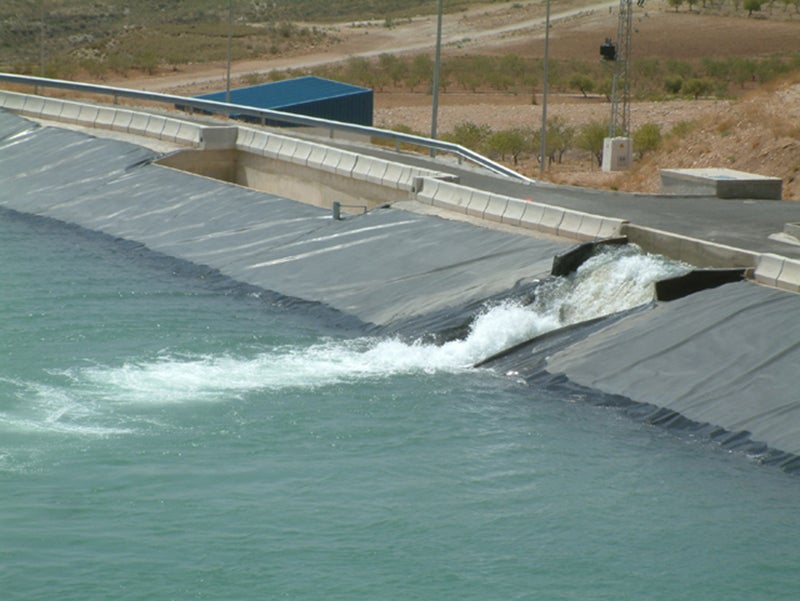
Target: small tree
[
  {"x": 752, "y": 5},
  {"x": 469, "y": 135},
  {"x": 647, "y": 138},
  {"x": 581, "y": 82},
  {"x": 508, "y": 141},
  {"x": 591, "y": 137},
  {"x": 697, "y": 87},
  {"x": 676, "y": 4}
]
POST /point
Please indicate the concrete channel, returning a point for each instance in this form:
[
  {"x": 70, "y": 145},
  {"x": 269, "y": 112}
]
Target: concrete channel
[{"x": 422, "y": 246}]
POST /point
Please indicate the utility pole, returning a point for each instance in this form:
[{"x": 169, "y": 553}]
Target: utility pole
[
  {"x": 543, "y": 151},
  {"x": 436, "y": 67},
  {"x": 618, "y": 146},
  {"x": 619, "y": 124},
  {"x": 230, "y": 36}
]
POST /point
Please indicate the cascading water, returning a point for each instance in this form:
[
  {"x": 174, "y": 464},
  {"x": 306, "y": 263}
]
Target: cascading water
[{"x": 613, "y": 280}]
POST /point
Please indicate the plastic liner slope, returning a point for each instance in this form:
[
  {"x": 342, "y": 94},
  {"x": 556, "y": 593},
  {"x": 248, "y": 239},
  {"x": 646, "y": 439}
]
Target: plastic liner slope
[
  {"x": 727, "y": 356},
  {"x": 382, "y": 267}
]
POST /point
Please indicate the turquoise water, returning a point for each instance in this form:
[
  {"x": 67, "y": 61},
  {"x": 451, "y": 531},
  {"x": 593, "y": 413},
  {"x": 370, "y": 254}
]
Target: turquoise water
[{"x": 164, "y": 435}]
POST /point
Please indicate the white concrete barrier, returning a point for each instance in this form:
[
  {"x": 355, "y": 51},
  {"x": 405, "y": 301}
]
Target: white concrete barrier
[
  {"x": 155, "y": 126},
  {"x": 302, "y": 150},
  {"x": 188, "y": 133},
  {"x": 122, "y": 120},
  {"x": 319, "y": 153},
  {"x": 532, "y": 215},
  {"x": 34, "y": 105},
  {"x": 769, "y": 269},
  {"x": 570, "y": 225},
  {"x": 170, "y": 131},
  {"x": 69, "y": 112},
  {"x": 138, "y": 124},
  {"x": 790, "y": 275},
  {"x": 347, "y": 164},
  {"x": 478, "y": 201},
  {"x": 105, "y": 117},
  {"x": 52, "y": 108},
  {"x": 273, "y": 146},
  {"x": 496, "y": 207},
  {"x": 376, "y": 169},
  {"x": 514, "y": 211},
  {"x": 244, "y": 141},
  {"x": 87, "y": 114},
  {"x": 551, "y": 220},
  {"x": 12, "y": 101}
]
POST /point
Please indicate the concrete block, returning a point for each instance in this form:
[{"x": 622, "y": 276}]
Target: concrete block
[
  {"x": 514, "y": 211},
  {"x": 288, "y": 149},
  {"x": 52, "y": 108},
  {"x": 33, "y": 105},
  {"x": 155, "y": 126},
  {"x": 12, "y": 101},
  {"x": 532, "y": 215},
  {"x": 397, "y": 176},
  {"x": 122, "y": 120},
  {"x": 245, "y": 139},
  {"x": 138, "y": 124},
  {"x": 87, "y": 114},
  {"x": 570, "y": 225},
  {"x": 105, "y": 117},
  {"x": 376, "y": 169},
  {"x": 170, "y": 131},
  {"x": 427, "y": 191},
  {"x": 451, "y": 197},
  {"x": 316, "y": 160},
  {"x": 769, "y": 268},
  {"x": 302, "y": 150},
  {"x": 611, "y": 228},
  {"x": 477, "y": 203},
  {"x": 551, "y": 220},
  {"x": 219, "y": 138},
  {"x": 347, "y": 163},
  {"x": 333, "y": 157},
  {"x": 590, "y": 227},
  {"x": 70, "y": 112},
  {"x": 496, "y": 207},
  {"x": 272, "y": 145},
  {"x": 722, "y": 183},
  {"x": 188, "y": 133},
  {"x": 790, "y": 275}
]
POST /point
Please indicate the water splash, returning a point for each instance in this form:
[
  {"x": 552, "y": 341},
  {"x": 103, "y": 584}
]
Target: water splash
[{"x": 615, "y": 279}]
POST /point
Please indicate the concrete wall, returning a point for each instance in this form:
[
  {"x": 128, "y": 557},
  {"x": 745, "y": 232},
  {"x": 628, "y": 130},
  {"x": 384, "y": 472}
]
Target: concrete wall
[{"x": 528, "y": 214}]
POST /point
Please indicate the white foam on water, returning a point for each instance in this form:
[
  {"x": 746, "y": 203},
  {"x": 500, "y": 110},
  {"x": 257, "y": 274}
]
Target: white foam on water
[{"x": 612, "y": 281}]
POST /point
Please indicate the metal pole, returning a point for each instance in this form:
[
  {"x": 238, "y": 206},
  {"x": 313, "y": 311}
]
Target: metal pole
[
  {"x": 42, "y": 36},
  {"x": 543, "y": 156},
  {"x": 436, "y": 63},
  {"x": 230, "y": 36}
]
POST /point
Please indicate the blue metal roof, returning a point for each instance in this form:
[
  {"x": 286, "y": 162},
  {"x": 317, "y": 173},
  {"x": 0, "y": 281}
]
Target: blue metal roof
[{"x": 284, "y": 94}]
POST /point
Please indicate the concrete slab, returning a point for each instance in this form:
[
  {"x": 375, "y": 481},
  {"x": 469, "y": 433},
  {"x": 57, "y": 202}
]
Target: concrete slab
[{"x": 722, "y": 183}]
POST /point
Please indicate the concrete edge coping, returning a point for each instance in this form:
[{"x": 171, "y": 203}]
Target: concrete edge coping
[
  {"x": 700, "y": 253},
  {"x": 102, "y": 116},
  {"x": 12, "y": 101},
  {"x": 779, "y": 272}
]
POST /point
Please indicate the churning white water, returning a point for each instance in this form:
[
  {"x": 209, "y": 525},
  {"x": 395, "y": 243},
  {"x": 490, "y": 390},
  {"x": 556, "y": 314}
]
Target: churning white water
[{"x": 614, "y": 280}]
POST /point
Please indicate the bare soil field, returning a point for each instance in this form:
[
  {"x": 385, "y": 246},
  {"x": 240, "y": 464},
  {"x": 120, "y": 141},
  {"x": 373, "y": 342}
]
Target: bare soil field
[{"x": 757, "y": 132}]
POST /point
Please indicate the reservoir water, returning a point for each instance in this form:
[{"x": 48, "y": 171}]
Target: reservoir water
[{"x": 165, "y": 434}]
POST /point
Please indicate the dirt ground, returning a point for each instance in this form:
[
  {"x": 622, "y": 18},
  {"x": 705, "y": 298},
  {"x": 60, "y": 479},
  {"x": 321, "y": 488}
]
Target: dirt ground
[{"x": 759, "y": 132}]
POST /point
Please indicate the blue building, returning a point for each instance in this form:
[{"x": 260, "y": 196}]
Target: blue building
[{"x": 310, "y": 96}]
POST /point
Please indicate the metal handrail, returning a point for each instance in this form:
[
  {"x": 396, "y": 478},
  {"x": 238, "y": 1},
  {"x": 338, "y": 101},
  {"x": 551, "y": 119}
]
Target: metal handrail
[{"x": 228, "y": 109}]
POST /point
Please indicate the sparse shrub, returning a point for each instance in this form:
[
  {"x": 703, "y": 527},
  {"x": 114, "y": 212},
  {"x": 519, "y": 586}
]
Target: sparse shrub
[
  {"x": 647, "y": 138},
  {"x": 582, "y": 83}
]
